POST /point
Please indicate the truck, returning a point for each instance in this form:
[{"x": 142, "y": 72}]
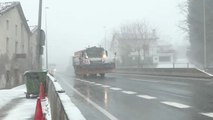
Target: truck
[{"x": 92, "y": 61}]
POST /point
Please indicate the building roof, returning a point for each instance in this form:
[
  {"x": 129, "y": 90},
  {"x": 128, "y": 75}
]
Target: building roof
[
  {"x": 7, "y": 6},
  {"x": 33, "y": 28}
]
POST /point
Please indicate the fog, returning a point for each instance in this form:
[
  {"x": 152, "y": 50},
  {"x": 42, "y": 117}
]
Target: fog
[{"x": 74, "y": 25}]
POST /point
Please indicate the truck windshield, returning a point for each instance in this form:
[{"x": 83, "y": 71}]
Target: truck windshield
[{"x": 94, "y": 52}]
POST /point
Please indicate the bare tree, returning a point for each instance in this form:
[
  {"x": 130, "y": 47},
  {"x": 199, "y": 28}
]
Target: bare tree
[{"x": 136, "y": 36}]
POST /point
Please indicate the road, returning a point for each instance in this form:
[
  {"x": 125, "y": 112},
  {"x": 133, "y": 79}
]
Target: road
[{"x": 138, "y": 97}]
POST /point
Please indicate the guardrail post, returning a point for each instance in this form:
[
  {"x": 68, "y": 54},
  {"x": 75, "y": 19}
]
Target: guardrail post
[{"x": 173, "y": 65}]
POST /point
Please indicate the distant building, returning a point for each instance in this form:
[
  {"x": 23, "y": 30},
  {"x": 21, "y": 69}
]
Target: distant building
[
  {"x": 164, "y": 54},
  {"x": 134, "y": 51},
  {"x": 148, "y": 55},
  {"x": 18, "y": 45}
]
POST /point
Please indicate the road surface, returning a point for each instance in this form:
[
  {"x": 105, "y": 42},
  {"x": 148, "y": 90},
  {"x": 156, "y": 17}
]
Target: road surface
[{"x": 138, "y": 97}]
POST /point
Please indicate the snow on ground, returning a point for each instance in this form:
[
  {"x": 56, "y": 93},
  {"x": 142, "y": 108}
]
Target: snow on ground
[
  {"x": 18, "y": 107},
  {"x": 7, "y": 95},
  {"x": 15, "y": 106},
  {"x": 23, "y": 111}
]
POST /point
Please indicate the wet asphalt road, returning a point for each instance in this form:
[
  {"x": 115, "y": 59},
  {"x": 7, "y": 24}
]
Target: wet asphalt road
[{"x": 137, "y": 97}]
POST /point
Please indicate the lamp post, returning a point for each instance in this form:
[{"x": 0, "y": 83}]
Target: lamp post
[
  {"x": 46, "y": 8},
  {"x": 105, "y": 37},
  {"x": 39, "y": 33},
  {"x": 204, "y": 34}
]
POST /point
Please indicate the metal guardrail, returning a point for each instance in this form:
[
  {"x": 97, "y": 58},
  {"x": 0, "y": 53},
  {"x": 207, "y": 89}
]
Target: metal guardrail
[
  {"x": 175, "y": 72},
  {"x": 162, "y": 65}
]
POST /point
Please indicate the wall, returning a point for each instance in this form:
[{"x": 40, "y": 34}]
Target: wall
[
  {"x": 175, "y": 72},
  {"x": 61, "y": 106}
]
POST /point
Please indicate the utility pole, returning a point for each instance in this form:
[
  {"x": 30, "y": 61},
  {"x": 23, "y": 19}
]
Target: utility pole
[
  {"x": 204, "y": 34},
  {"x": 105, "y": 38},
  {"x": 46, "y": 8},
  {"x": 39, "y": 33}
]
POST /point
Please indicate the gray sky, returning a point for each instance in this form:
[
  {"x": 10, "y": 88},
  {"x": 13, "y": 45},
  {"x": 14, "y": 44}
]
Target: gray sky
[{"x": 75, "y": 24}]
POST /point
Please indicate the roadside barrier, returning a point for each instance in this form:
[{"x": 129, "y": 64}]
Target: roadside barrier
[
  {"x": 60, "y": 103},
  {"x": 174, "y": 72}
]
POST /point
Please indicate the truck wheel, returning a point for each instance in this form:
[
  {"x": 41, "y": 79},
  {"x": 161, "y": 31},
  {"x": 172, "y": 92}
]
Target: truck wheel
[{"x": 102, "y": 75}]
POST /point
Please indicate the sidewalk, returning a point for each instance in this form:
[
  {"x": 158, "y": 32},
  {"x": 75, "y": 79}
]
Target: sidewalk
[{"x": 15, "y": 106}]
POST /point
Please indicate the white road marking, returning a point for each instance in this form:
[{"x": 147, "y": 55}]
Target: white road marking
[
  {"x": 153, "y": 81},
  {"x": 207, "y": 114},
  {"x": 113, "y": 88},
  {"x": 85, "y": 81},
  {"x": 174, "y": 104},
  {"x": 129, "y": 92},
  {"x": 77, "y": 79},
  {"x": 161, "y": 81},
  {"x": 105, "y": 86},
  {"x": 88, "y": 81},
  {"x": 146, "y": 97},
  {"x": 109, "y": 115},
  {"x": 98, "y": 84},
  {"x": 92, "y": 82}
]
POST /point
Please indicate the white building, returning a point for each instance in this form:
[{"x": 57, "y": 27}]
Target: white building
[
  {"x": 164, "y": 54},
  {"x": 18, "y": 45}
]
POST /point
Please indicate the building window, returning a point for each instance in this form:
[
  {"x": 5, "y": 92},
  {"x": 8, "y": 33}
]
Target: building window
[
  {"x": 16, "y": 47},
  {"x": 7, "y": 76},
  {"x": 16, "y": 30},
  {"x": 7, "y": 45},
  {"x": 16, "y": 76},
  {"x": 22, "y": 32},
  {"x": 7, "y": 24},
  {"x": 22, "y": 48}
]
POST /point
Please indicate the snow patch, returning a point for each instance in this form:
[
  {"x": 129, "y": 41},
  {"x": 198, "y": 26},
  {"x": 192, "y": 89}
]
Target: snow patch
[
  {"x": 72, "y": 111},
  {"x": 7, "y": 95},
  {"x": 46, "y": 108},
  {"x": 25, "y": 110},
  {"x": 58, "y": 87},
  {"x": 51, "y": 77}
]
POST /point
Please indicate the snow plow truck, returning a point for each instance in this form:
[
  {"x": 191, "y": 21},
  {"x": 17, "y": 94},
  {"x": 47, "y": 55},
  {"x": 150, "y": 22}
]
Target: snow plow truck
[{"x": 92, "y": 61}]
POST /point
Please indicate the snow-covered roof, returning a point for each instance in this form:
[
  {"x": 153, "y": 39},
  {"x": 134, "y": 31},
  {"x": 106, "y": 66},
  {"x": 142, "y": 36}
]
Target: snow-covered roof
[
  {"x": 33, "y": 28},
  {"x": 7, "y": 6},
  {"x": 4, "y": 6}
]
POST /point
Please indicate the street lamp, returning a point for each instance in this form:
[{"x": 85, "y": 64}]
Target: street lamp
[
  {"x": 39, "y": 31},
  {"x": 46, "y": 8},
  {"x": 105, "y": 37},
  {"x": 204, "y": 34}
]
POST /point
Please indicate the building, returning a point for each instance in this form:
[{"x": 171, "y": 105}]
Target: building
[
  {"x": 164, "y": 54},
  {"x": 18, "y": 45},
  {"x": 143, "y": 53},
  {"x": 134, "y": 51}
]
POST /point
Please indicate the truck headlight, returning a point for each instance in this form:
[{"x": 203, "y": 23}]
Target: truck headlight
[{"x": 104, "y": 56}]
